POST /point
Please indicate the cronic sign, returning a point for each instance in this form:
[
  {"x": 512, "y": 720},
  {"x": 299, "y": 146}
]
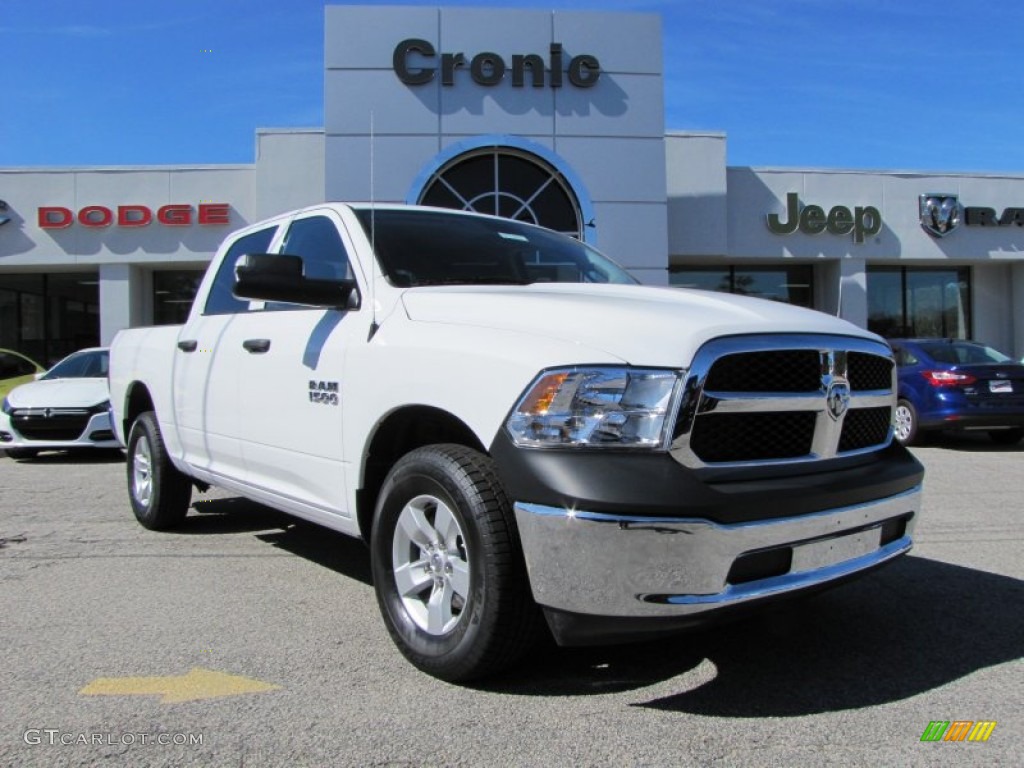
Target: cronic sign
[{"x": 415, "y": 62}]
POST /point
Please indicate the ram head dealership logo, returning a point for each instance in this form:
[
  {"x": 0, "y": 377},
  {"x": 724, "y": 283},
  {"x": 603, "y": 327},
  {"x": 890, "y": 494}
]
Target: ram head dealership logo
[
  {"x": 940, "y": 214},
  {"x": 4, "y": 218}
]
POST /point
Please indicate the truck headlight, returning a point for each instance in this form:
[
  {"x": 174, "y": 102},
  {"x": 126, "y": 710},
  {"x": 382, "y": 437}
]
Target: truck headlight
[{"x": 599, "y": 407}]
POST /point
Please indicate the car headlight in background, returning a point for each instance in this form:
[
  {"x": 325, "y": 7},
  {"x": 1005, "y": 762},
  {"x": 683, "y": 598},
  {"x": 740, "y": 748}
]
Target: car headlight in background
[
  {"x": 599, "y": 407},
  {"x": 6, "y": 407}
]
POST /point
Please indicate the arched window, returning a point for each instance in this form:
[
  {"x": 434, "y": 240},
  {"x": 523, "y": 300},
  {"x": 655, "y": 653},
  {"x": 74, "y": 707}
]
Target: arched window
[{"x": 506, "y": 181}]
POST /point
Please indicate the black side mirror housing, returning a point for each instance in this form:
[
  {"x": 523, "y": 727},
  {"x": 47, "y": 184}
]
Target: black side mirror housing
[{"x": 280, "y": 277}]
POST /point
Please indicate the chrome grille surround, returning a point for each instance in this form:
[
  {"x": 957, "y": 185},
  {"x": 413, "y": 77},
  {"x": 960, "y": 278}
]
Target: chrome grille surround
[{"x": 813, "y": 414}]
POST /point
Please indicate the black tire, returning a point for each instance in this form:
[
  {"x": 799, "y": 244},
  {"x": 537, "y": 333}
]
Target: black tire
[
  {"x": 474, "y": 549},
  {"x": 1006, "y": 436},
  {"x": 21, "y": 453},
  {"x": 906, "y": 423},
  {"x": 159, "y": 493}
]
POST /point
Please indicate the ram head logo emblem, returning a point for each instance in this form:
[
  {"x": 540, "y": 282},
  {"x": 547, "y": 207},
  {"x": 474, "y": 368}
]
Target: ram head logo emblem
[
  {"x": 940, "y": 214},
  {"x": 837, "y": 398}
]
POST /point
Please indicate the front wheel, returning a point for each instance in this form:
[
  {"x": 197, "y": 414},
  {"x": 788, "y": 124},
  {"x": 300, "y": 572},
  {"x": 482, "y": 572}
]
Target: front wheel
[
  {"x": 447, "y": 565},
  {"x": 159, "y": 493}
]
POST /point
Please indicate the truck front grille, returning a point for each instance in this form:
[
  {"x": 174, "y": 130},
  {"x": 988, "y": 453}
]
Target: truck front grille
[
  {"x": 780, "y": 399},
  {"x": 788, "y": 370},
  {"x": 753, "y": 436},
  {"x": 869, "y": 371},
  {"x": 865, "y": 428}
]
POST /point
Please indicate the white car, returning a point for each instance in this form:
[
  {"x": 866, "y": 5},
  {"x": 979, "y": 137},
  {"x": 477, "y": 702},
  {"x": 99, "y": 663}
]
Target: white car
[{"x": 68, "y": 407}]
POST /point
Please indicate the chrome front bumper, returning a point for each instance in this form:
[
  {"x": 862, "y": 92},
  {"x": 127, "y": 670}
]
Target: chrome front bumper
[{"x": 635, "y": 566}]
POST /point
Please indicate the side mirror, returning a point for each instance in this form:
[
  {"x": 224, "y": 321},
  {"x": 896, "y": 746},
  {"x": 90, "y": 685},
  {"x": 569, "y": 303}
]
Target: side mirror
[{"x": 279, "y": 277}]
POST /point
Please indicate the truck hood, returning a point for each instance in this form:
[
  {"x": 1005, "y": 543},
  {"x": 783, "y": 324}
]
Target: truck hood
[
  {"x": 60, "y": 393},
  {"x": 641, "y": 325}
]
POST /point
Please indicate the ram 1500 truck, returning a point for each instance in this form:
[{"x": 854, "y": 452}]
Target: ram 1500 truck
[{"x": 523, "y": 434}]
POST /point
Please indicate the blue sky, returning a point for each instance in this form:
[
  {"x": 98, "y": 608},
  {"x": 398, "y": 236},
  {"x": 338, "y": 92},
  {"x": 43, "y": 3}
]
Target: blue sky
[{"x": 866, "y": 84}]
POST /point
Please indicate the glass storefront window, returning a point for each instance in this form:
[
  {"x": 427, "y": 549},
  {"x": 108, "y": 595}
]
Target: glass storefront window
[
  {"x": 49, "y": 316},
  {"x": 73, "y": 313},
  {"x": 885, "y": 302},
  {"x": 702, "y": 278},
  {"x": 173, "y": 294},
  {"x": 919, "y": 302},
  {"x": 8, "y": 319},
  {"x": 790, "y": 284}
]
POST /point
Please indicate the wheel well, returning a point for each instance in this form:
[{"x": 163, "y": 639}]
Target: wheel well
[
  {"x": 138, "y": 400},
  {"x": 402, "y": 431}
]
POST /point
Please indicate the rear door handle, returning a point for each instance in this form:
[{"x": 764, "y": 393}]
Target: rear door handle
[
  {"x": 188, "y": 345},
  {"x": 256, "y": 346}
]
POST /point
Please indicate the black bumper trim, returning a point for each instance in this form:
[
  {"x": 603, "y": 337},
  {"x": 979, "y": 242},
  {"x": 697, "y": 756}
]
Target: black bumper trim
[{"x": 656, "y": 485}]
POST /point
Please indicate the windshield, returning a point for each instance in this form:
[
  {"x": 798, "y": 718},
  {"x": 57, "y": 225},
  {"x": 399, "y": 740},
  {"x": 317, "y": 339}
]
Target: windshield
[
  {"x": 434, "y": 248},
  {"x": 81, "y": 365},
  {"x": 963, "y": 353}
]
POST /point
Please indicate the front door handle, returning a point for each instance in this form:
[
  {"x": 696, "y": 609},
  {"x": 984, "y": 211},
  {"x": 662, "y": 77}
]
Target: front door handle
[
  {"x": 256, "y": 346},
  {"x": 189, "y": 345}
]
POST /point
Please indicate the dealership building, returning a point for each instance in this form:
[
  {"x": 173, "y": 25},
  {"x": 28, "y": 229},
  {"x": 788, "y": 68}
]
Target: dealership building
[{"x": 554, "y": 117}]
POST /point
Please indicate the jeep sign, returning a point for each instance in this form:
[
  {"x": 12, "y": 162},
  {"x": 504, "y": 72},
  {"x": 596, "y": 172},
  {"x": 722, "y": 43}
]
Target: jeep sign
[{"x": 862, "y": 221}]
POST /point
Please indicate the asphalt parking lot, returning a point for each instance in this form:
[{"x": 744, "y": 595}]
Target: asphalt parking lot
[{"x": 103, "y": 623}]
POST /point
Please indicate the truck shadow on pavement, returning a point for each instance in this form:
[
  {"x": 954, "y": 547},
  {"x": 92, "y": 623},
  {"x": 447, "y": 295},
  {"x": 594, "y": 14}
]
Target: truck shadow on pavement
[
  {"x": 342, "y": 554},
  {"x": 212, "y": 517},
  {"x": 912, "y": 627},
  {"x": 330, "y": 549}
]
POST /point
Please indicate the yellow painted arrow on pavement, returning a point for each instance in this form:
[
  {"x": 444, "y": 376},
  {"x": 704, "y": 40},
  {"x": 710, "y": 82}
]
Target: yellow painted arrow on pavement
[{"x": 197, "y": 684}]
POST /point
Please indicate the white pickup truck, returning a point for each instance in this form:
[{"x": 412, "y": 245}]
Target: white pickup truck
[{"x": 518, "y": 429}]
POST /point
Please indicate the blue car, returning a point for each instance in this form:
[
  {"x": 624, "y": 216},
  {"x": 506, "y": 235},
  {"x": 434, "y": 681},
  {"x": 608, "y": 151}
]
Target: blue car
[{"x": 952, "y": 384}]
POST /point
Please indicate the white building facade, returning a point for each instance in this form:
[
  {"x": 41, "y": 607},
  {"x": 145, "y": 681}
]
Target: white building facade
[{"x": 551, "y": 117}]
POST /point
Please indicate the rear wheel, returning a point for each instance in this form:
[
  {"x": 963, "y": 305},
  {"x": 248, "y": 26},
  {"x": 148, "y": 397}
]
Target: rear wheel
[
  {"x": 906, "y": 422},
  {"x": 159, "y": 493},
  {"x": 447, "y": 565},
  {"x": 1006, "y": 436},
  {"x": 21, "y": 453}
]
